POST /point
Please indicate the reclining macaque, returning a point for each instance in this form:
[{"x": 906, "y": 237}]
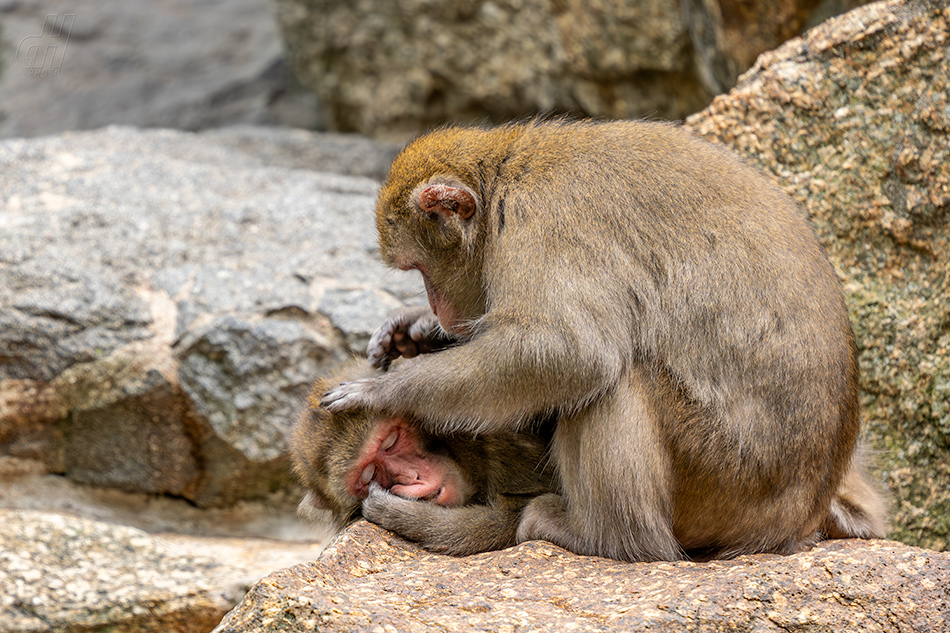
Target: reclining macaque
[
  {"x": 453, "y": 494},
  {"x": 660, "y": 297}
]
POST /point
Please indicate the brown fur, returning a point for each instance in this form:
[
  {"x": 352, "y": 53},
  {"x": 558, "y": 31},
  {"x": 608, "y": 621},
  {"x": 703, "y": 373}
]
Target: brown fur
[
  {"x": 503, "y": 472},
  {"x": 672, "y": 306}
]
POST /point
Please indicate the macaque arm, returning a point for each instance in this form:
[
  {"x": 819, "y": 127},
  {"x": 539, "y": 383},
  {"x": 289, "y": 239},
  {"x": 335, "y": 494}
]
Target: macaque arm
[
  {"x": 494, "y": 383},
  {"x": 549, "y": 339},
  {"x": 457, "y": 531}
]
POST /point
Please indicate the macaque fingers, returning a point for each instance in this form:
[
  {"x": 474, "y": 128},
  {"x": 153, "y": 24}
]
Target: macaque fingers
[
  {"x": 407, "y": 333},
  {"x": 349, "y": 396}
]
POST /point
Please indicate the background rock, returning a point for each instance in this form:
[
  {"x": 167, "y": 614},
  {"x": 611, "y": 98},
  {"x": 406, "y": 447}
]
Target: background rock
[
  {"x": 854, "y": 121},
  {"x": 372, "y": 580},
  {"x": 168, "y": 299},
  {"x": 61, "y": 573},
  {"x": 391, "y": 69},
  {"x": 187, "y": 64}
]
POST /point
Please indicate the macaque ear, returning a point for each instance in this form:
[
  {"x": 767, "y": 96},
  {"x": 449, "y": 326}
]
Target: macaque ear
[{"x": 446, "y": 200}]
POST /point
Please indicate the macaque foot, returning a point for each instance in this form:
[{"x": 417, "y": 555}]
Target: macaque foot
[{"x": 544, "y": 519}]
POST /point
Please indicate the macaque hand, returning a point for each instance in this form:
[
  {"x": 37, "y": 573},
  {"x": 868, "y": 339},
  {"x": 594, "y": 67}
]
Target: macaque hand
[
  {"x": 407, "y": 333},
  {"x": 351, "y": 395},
  {"x": 386, "y": 509}
]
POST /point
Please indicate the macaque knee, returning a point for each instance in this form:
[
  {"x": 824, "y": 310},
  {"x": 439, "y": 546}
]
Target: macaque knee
[{"x": 545, "y": 518}]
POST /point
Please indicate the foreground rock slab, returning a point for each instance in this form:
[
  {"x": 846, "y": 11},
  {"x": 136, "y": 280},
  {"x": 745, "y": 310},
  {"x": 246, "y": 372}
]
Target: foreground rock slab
[
  {"x": 372, "y": 580},
  {"x": 65, "y": 574}
]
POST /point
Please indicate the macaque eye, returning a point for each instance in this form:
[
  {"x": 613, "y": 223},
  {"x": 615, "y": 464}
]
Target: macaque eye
[
  {"x": 367, "y": 475},
  {"x": 389, "y": 441}
]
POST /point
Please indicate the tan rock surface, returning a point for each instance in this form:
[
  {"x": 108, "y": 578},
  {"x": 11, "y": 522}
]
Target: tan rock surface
[
  {"x": 391, "y": 69},
  {"x": 372, "y": 580}
]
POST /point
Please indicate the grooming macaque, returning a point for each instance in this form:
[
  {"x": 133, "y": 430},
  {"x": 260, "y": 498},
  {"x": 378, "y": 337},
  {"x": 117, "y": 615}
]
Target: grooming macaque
[
  {"x": 666, "y": 301},
  {"x": 453, "y": 494}
]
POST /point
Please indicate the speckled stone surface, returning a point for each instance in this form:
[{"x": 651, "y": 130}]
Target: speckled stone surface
[
  {"x": 371, "y": 580},
  {"x": 60, "y": 573},
  {"x": 167, "y": 298},
  {"x": 64, "y": 574}
]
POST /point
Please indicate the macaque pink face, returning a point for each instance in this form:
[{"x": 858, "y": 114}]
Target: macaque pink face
[{"x": 394, "y": 457}]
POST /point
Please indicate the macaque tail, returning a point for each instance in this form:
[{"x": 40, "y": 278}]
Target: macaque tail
[{"x": 858, "y": 509}]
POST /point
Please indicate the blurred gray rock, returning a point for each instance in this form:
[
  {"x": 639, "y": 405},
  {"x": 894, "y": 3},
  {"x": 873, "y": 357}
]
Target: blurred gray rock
[
  {"x": 67, "y": 574},
  {"x": 337, "y": 153},
  {"x": 248, "y": 379},
  {"x": 139, "y": 441},
  {"x": 166, "y": 299},
  {"x": 389, "y": 69},
  {"x": 62, "y": 315},
  {"x": 186, "y": 64}
]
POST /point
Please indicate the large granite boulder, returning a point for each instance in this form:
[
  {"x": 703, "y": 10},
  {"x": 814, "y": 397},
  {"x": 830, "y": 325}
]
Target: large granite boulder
[
  {"x": 167, "y": 299},
  {"x": 853, "y": 119},
  {"x": 371, "y": 580}
]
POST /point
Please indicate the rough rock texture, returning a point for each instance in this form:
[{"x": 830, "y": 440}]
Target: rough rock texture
[
  {"x": 186, "y": 64},
  {"x": 66, "y": 574},
  {"x": 391, "y": 68},
  {"x": 167, "y": 298},
  {"x": 372, "y": 580},
  {"x": 854, "y": 120}
]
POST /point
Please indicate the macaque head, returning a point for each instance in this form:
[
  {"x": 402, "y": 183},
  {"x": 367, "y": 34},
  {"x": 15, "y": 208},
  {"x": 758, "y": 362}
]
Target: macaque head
[
  {"x": 431, "y": 217},
  {"x": 337, "y": 456}
]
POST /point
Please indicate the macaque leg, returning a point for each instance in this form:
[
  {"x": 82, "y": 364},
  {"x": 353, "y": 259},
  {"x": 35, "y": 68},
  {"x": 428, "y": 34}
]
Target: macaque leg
[
  {"x": 615, "y": 481},
  {"x": 458, "y": 531}
]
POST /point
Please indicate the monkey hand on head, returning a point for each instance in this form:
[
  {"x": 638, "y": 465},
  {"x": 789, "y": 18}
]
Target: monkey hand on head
[
  {"x": 665, "y": 300},
  {"x": 454, "y": 495},
  {"x": 407, "y": 333}
]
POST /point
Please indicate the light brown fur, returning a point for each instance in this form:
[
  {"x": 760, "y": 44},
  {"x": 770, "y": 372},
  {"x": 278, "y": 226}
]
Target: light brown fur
[
  {"x": 667, "y": 301},
  {"x": 500, "y": 474}
]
